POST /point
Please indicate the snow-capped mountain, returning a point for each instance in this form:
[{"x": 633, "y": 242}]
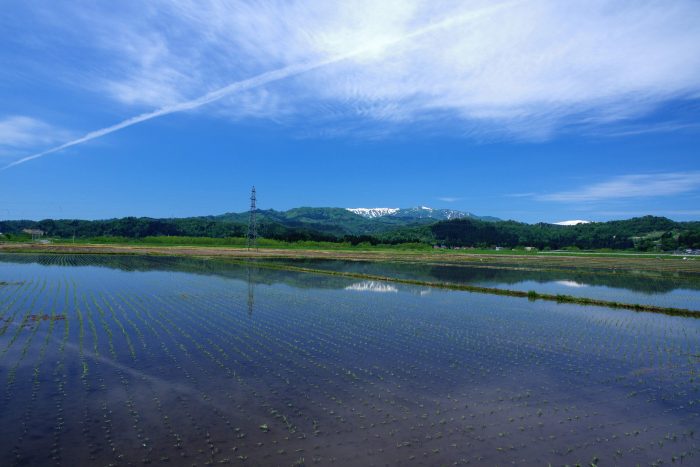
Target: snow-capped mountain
[
  {"x": 419, "y": 212},
  {"x": 371, "y": 213},
  {"x": 573, "y": 222}
]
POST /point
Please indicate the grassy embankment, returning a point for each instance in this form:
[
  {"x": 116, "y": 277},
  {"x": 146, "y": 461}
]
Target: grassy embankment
[{"x": 264, "y": 243}]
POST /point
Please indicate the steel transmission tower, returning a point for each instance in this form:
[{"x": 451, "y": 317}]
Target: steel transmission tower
[{"x": 252, "y": 223}]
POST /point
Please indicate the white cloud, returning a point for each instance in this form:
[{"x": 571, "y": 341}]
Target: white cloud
[
  {"x": 524, "y": 69},
  {"x": 630, "y": 186},
  {"x": 244, "y": 86},
  {"x": 19, "y": 132}
]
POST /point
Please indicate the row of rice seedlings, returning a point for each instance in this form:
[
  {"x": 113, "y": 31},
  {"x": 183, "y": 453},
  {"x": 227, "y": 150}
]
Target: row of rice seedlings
[
  {"x": 164, "y": 417},
  {"x": 259, "y": 362},
  {"x": 95, "y": 387},
  {"x": 119, "y": 324},
  {"x": 27, "y": 416},
  {"x": 287, "y": 364},
  {"x": 275, "y": 339},
  {"x": 372, "y": 373},
  {"x": 120, "y": 303},
  {"x": 91, "y": 324},
  {"x": 205, "y": 334},
  {"x": 60, "y": 378},
  {"x": 12, "y": 372},
  {"x": 88, "y": 433},
  {"x": 143, "y": 441},
  {"x": 221, "y": 326},
  {"x": 84, "y": 367},
  {"x": 17, "y": 292},
  {"x": 105, "y": 326},
  {"x": 23, "y": 297},
  {"x": 185, "y": 408},
  {"x": 113, "y": 301},
  {"x": 150, "y": 320},
  {"x": 282, "y": 359},
  {"x": 165, "y": 317}
]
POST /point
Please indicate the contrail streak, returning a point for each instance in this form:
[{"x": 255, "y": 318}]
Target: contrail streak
[{"x": 265, "y": 78}]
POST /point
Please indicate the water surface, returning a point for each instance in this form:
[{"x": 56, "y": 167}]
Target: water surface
[
  {"x": 131, "y": 360},
  {"x": 642, "y": 287}
]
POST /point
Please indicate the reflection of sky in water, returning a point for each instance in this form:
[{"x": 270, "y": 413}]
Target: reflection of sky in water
[
  {"x": 169, "y": 360},
  {"x": 679, "y": 291}
]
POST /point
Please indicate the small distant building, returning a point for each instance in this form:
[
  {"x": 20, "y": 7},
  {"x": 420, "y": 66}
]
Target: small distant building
[
  {"x": 530, "y": 248},
  {"x": 35, "y": 233}
]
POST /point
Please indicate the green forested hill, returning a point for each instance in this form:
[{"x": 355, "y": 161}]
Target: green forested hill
[
  {"x": 337, "y": 224},
  {"x": 331, "y": 221},
  {"x": 296, "y": 224},
  {"x": 642, "y": 233}
]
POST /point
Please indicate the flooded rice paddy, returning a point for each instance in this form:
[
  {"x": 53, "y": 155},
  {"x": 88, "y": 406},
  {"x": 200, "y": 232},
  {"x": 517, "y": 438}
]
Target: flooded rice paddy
[
  {"x": 677, "y": 290},
  {"x": 115, "y": 360}
]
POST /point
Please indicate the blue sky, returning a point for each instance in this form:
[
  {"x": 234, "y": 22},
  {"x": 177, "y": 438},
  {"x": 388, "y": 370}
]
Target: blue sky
[{"x": 528, "y": 110}]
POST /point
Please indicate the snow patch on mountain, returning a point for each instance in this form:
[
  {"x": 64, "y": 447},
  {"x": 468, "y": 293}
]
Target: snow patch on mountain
[
  {"x": 573, "y": 222},
  {"x": 371, "y": 213},
  {"x": 419, "y": 212}
]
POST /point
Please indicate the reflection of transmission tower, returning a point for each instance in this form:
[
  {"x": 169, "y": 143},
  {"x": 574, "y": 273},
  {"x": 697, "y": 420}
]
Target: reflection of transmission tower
[
  {"x": 252, "y": 223},
  {"x": 251, "y": 293}
]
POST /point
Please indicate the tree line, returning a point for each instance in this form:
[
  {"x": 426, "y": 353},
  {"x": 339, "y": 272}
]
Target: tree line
[{"x": 643, "y": 233}]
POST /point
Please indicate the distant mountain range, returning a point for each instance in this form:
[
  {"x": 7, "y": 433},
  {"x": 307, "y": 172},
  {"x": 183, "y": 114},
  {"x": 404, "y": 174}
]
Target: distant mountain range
[
  {"x": 442, "y": 227},
  {"x": 352, "y": 221},
  {"x": 325, "y": 223},
  {"x": 419, "y": 212}
]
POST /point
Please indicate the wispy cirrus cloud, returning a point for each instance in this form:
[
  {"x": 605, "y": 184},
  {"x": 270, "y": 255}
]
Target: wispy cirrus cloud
[
  {"x": 517, "y": 69},
  {"x": 630, "y": 186},
  {"x": 265, "y": 78},
  {"x": 20, "y": 132},
  {"x": 665, "y": 127},
  {"x": 540, "y": 59}
]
